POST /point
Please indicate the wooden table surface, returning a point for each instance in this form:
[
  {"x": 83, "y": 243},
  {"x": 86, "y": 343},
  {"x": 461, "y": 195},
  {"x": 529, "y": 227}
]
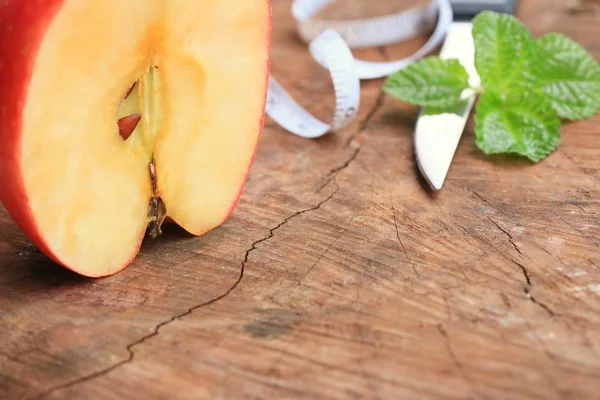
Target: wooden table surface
[{"x": 339, "y": 276}]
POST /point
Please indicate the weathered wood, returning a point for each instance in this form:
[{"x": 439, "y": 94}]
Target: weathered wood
[{"x": 339, "y": 276}]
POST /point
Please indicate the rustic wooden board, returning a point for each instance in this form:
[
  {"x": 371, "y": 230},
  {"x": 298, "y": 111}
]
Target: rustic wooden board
[{"x": 339, "y": 276}]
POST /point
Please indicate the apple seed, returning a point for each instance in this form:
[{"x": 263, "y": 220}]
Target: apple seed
[{"x": 128, "y": 124}]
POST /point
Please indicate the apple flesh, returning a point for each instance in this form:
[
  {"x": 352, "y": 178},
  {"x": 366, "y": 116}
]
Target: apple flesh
[{"x": 117, "y": 114}]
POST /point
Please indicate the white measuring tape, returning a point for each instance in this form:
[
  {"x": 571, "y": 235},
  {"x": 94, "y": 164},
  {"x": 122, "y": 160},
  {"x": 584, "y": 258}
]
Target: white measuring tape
[{"x": 330, "y": 44}]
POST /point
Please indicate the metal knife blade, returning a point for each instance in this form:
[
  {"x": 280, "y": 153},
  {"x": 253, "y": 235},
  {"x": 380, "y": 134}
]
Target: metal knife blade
[{"x": 437, "y": 136}]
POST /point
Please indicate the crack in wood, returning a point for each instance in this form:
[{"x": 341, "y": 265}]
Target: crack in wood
[
  {"x": 528, "y": 288},
  {"x": 525, "y": 273},
  {"x": 364, "y": 124},
  {"x": 539, "y": 303},
  {"x": 155, "y": 332},
  {"x": 161, "y": 325},
  {"x": 362, "y": 127},
  {"x": 332, "y": 174},
  {"x": 510, "y": 238},
  {"x": 489, "y": 203},
  {"x": 416, "y": 271},
  {"x": 528, "y": 281}
]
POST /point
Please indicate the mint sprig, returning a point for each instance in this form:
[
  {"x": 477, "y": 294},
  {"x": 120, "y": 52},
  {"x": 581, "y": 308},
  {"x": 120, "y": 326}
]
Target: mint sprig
[{"x": 528, "y": 85}]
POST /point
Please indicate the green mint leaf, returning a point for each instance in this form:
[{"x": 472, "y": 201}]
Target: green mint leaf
[
  {"x": 503, "y": 50},
  {"x": 527, "y": 85},
  {"x": 523, "y": 124},
  {"x": 568, "y": 75},
  {"x": 431, "y": 81}
]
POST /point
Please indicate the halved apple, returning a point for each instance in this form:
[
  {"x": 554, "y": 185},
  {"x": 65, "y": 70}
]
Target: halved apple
[{"x": 115, "y": 114}]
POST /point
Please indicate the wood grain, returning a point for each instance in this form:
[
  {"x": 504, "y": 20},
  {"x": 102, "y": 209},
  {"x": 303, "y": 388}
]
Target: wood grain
[{"x": 339, "y": 276}]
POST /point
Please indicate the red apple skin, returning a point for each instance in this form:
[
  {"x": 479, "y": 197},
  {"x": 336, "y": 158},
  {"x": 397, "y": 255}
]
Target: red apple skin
[
  {"x": 22, "y": 27},
  {"x": 23, "y": 24}
]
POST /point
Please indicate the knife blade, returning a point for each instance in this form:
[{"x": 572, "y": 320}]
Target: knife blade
[{"x": 437, "y": 135}]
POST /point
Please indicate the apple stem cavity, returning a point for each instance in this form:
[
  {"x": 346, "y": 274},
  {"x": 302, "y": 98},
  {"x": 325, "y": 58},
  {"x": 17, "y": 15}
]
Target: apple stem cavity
[{"x": 157, "y": 211}]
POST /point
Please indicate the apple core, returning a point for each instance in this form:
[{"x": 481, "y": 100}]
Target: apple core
[{"x": 140, "y": 127}]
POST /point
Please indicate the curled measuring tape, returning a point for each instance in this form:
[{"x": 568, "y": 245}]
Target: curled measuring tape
[{"x": 330, "y": 44}]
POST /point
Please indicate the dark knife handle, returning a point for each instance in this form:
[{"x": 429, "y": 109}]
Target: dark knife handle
[{"x": 465, "y": 10}]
